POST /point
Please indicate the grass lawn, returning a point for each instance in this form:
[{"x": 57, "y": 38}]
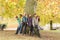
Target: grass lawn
[{"x": 45, "y": 35}]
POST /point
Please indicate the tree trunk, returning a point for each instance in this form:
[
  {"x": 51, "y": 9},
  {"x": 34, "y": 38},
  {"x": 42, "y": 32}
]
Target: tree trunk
[
  {"x": 30, "y": 6},
  {"x": 51, "y": 25}
]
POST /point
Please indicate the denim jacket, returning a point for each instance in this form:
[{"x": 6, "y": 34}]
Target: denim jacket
[{"x": 24, "y": 19}]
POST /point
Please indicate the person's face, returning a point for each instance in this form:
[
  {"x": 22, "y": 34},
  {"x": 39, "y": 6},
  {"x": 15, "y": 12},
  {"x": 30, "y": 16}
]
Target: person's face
[
  {"x": 24, "y": 14},
  {"x": 29, "y": 15}
]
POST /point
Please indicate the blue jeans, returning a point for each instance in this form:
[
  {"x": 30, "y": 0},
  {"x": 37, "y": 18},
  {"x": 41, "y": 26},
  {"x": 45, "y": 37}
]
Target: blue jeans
[
  {"x": 19, "y": 28},
  {"x": 24, "y": 25}
]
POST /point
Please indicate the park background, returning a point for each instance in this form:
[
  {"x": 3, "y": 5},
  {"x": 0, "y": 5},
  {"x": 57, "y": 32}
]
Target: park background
[{"x": 46, "y": 9}]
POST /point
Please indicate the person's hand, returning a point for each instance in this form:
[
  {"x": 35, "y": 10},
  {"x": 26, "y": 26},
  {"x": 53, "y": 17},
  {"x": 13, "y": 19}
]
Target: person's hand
[{"x": 27, "y": 23}]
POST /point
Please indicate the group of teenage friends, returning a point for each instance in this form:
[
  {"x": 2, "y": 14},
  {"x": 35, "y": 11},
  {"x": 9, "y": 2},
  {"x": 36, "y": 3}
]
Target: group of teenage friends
[{"x": 28, "y": 24}]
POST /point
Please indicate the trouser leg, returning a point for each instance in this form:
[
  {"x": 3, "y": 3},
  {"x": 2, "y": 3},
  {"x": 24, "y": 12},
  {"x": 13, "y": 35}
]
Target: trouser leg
[
  {"x": 25, "y": 26},
  {"x": 31, "y": 29},
  {"x": 37, "y": 31},
  {"x": 17, "y": 30},
  {"x": 22, "y": 28}
]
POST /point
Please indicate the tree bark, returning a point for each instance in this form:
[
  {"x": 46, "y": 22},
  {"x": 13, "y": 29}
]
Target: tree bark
[
  {"x": 51, "y": 25},
  {"x": 30, "y": 6}
]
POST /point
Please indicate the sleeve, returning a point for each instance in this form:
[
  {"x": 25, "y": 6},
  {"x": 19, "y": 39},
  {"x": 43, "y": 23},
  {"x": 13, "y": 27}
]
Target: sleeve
[{"x": 33, "y": 21}]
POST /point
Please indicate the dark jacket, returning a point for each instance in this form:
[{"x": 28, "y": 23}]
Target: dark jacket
[{"x": 29, "y": 21}]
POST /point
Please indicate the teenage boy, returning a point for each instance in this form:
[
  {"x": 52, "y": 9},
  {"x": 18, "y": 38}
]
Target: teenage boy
[
  {"x": 30, "y": 24},
  {"x": 24, "y": 24},
  {"x": 20, "y": 24},
  {"x": 35, "y": 25}
]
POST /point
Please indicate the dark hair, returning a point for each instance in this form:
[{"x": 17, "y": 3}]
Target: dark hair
[
  {"x": 20, "y": 14},
  {"x": 39, "y": 19},
  {"x": 16, "y": 16}
]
